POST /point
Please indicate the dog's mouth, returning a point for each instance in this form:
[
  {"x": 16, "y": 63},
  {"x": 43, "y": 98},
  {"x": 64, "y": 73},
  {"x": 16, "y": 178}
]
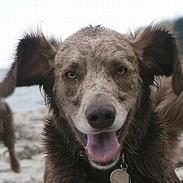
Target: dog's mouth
[{"x": 103, "y": 149}]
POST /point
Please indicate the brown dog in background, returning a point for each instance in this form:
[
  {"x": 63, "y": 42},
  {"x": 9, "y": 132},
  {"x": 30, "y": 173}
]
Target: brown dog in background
[{"x": 7, "y": 134}]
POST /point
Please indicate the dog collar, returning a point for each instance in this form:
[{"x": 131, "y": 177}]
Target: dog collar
[{"x": 120, "y": 175}]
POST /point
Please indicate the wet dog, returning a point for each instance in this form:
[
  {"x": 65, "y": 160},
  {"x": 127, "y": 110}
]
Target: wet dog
[{"x": 97, "y": 85}]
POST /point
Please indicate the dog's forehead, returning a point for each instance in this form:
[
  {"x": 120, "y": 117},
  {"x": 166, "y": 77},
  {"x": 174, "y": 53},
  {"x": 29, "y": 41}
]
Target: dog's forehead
[
  {"x": 94, "y": 36},
  {"x": 94, "y": 41},
  {"x": 94, "y": 32}
]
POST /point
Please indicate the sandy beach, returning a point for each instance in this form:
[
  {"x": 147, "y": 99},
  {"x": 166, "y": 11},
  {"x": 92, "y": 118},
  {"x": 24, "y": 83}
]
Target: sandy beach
[{"x": 29, "y": 149}]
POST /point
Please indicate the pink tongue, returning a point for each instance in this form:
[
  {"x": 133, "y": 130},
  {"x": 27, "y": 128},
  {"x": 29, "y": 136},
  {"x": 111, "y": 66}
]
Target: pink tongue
[{"x": 103, "y": 147}]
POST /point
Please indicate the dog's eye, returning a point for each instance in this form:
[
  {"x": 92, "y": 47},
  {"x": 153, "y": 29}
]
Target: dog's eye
[
  {"x": 71, "y": 75},
  {"x": 120, "y": 70}
]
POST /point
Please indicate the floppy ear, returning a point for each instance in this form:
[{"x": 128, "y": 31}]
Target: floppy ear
[
  {"x": 33, "y": 62},
  {"x": 156, "y": 50},
  {"x": 177, "y": 78}
]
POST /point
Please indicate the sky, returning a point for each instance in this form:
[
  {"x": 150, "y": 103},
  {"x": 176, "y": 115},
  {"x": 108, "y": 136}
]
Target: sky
[{"x": 64, "y": 17}]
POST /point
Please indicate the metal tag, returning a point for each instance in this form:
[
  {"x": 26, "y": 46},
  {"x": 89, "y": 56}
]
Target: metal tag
[{"x": 119, "y": 176}]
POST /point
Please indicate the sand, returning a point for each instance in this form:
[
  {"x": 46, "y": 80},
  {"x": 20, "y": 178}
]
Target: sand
[{"x": 29, "y": 149}]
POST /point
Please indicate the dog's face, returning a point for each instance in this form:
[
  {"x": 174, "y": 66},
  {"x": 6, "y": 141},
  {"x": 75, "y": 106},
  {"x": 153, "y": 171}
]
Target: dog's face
[
  {"x": 95, "y": 78},
  {"x": 97, "y": 82}
]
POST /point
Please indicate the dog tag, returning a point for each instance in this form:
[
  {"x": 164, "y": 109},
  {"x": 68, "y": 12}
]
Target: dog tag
[{"x": 119, "y": 176}]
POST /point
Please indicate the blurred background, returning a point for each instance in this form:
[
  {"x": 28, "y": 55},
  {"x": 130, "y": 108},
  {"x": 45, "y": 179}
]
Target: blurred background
[
  {"x": 64, "y": 17},
  {"x": 59, "y": 18}
]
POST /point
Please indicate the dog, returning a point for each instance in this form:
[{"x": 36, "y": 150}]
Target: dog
[
  {"x": 7, "y": 134},
  {"x": 97, "y": 85}
]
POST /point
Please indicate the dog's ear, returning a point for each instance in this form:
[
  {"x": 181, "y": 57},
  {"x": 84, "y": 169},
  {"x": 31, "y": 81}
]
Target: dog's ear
[
  {"x": 33, "y": 63},
  {"x": 34, "y": 58},
  {"x": 156, "y": 50},
  {"x": 177, "y": 78}
]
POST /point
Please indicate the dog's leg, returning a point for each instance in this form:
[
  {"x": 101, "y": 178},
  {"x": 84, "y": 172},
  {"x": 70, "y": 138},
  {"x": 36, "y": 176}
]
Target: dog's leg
[
  {"x": 9, "y": 140},
  {"x": 13, "y": 160}
]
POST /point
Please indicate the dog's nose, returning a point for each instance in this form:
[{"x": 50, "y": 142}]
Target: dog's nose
[{"x": 100, "y": 116}]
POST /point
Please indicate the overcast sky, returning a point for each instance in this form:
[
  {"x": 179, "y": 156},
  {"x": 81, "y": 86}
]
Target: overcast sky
[{"x": 63, "y": 17}]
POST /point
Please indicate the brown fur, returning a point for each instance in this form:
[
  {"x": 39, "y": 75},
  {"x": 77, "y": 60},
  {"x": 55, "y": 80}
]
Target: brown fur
[
  {"x": 168, "y": 97},
  {"x": 170, "y": 108},
  {"x": 169, "y": 105},
  {"x": 92, "y": 57},
  {"x": 7, "y": 134}
]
